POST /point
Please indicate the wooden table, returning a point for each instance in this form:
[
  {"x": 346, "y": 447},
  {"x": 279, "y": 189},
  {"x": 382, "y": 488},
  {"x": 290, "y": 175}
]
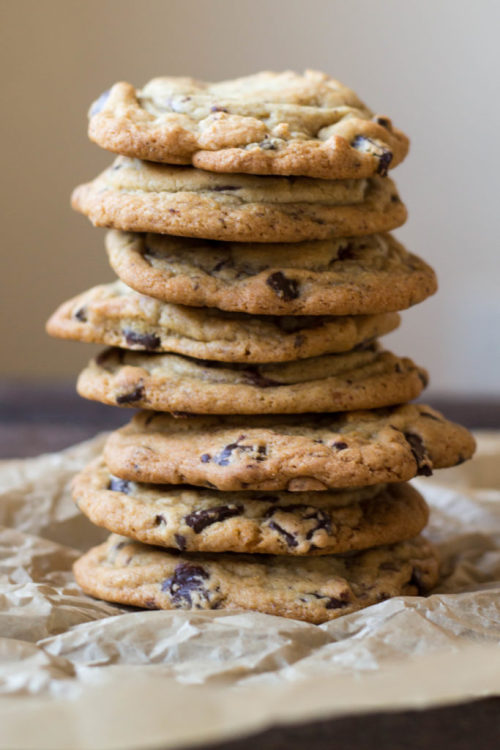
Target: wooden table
[{"x": 46, "y": 417}]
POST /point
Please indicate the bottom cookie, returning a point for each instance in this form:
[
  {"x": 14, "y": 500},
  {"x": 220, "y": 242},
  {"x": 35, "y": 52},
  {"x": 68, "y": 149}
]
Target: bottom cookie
[{"x": 311, "y": 589}]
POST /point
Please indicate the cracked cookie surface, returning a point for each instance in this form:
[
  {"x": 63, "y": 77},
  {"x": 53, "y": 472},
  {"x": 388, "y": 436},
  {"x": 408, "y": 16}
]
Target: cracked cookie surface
[
  {"x": 361, "y": 379},
  {"x": 115, "y": 315},
  {"x": 285, "y": 523},
  {"x": 355, "y": 276},
  {"x": 141, "y": 196},
  {"x": 314, "y": 589},
  {"x": 297, "y": 453},
  {"x": 267, "y": 123}
]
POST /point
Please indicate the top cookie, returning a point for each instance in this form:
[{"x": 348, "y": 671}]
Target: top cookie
[{"x": 268, "y": 123}]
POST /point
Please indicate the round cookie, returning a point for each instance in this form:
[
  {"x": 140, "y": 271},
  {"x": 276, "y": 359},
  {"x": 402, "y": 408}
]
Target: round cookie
[
  {"x": 202, "y": 520},
  {"x": 116, "y": 315},
  {"x": 145, "y": 197},
  {"x": 356, "y": 276},
  {"x": 361, "y": 379},
  {"x": 268, "y": 123},
  {"x": 295, "y": 453},
  {"x": 314, "y": 589}
]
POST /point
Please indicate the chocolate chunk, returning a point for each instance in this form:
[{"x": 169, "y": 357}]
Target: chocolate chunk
[
  {"x": 267, "y": 145},
  {"x": 160, "y": 520},
  {"x": 337, "y": 602},
  {"x": 119, "y": 485},
  {"x": 254, "y": 377},
  {"x": 285, "y": 288},
  {"x": 322, "y": 522},
  {"x": 222, "y": 458},
  {"x": 289, "y": 538},
  {"x": 416, "y": 580},
  {"x": 180, "y": 541},
  {"x": 220, "y": 188},
  {"x": 149, "y": 341},
  {"x": 81, "y": 314},
  {"x": 200, "y": 519},
  {"x": 340, "y": 445},
  {"x": 187, "y": 580},
  {"x": 367, "y": 145},
  {"x": 384, "y": 161},
  {"x": 130, "y": 398},
  {"x": 205, "y": 458},
  {"x": 100, "y": 103},
  {"x": 383, "y": 121},
  {"x": 422, "y": 458},
  {"x": 218, "y": 109},
  {"x": 346, "y": 252}
]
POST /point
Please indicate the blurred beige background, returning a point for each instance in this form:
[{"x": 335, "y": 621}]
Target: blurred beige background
[{"x": 431, "y": 65}]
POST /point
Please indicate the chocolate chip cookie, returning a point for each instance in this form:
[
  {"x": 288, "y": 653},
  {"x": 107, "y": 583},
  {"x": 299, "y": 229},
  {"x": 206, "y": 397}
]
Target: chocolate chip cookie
[
  {"x": 314, "y": 589},
  {"x": 363, "y": 379},
  {"x": 297, "y": 453},
  {"x": 116, "y": 315},
  {"x": 141, "y": 196},
  {"x": 284, "y": 523},
  {"x": 268, "y": 123},
  {"x": 356, "y": 276}
]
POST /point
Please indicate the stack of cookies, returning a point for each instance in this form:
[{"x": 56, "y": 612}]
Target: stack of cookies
[{"x": 267, "y": 471}]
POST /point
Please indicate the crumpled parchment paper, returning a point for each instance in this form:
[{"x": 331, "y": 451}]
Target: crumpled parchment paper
[{"x": 82, "y": 674}]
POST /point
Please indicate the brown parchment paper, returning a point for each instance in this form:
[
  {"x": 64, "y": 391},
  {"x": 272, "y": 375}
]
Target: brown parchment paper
[{"x": 82, "y": 674}]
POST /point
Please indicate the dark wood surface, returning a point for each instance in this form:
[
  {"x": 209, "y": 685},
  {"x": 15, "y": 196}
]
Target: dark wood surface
[{"x": 50, "y": 416}]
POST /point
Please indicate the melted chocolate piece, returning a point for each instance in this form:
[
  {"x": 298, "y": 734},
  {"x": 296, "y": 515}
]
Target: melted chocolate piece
[
  {"x": 187, "y": 580},
  {"x": 81, "y": 314},
  {"x": 180, "y": 540},
  {"x": 289, "y": 538},
  {"x": 285, "y": 288},
  {"x": 119, "y": 485},
  {"x": 200, "y": 519},
  {"x": 367, "y": 145},
  {"x": 160, "y": 520},
  {"x": 150, "y": 341},
  {"x": 130, "y": 398},
  {"x": 340, "y": 445},
  {"x": 422, "y": 458}
]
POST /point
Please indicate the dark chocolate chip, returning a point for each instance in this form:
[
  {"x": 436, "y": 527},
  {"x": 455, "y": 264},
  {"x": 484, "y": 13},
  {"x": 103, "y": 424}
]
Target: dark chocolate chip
[
  {"x": 422, "y": 458},
  {"x": 180, "y": 541},
  {"x": 132, "y": 397},
  {"x": 160, "y": 520},
  {"x": 218, "y": 109},
  {"x": 220, "y": 188},
  {"x": 81, "y": 314},
  {"x": 285, "y": 288},
  {"x": 267, "y": 145},
  {"x": 223, "y": 458},
  {"x": 254, "y": 377},
  {"x": 200, "y": 519},
  {"x": 340, "y": 445},
  {"x": 119, "y": 485},
  {"x": 367, "y": 145},
  {"x": 333, "y": 602},
  {"x": 346, "y": 252},
  {"x": 100, "y": 103},
  {"x": 187, "y": 580},
  {"x": 289, "y": 538},
  {"x": 383, "y": 121},
  {"x": 416, "y": 580},
  {"x": 205, "y": 458},
  {"x": 149, "y": 341}
]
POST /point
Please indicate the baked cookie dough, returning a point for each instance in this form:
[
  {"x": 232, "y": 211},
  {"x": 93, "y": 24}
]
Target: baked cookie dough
[
  {"x": 346, "y": 276},
  {"x": 141, "y": 196},
  {"x": 314, "y": 589},
  {"x": 305, "y": 452},
  {"x": 268, "y": 123},
  {"x": 284, "y": 523},
  {"x": 361, "y": 379},
  {"x": 115, "y": 315}
]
